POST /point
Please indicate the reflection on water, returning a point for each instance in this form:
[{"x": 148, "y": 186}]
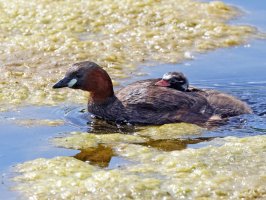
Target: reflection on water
[{"x": 100, "y": 155}]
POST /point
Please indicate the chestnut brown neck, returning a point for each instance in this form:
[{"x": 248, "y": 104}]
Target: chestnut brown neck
[{"x": 100, "y": 87}]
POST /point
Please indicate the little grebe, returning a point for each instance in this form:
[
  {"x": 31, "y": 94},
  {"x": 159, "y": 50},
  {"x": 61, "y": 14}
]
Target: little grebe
[
  {"x": 144, "y": 102},
  {"x": 175, "y": 80},
  {"x": 223, "y": 105}
]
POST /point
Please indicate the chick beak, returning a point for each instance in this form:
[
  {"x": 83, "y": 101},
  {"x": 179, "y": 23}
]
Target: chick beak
[{"x": 162, "y": 83}]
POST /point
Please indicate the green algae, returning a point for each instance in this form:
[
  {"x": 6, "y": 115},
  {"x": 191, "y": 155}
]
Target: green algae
[
  {"x": 170, "y": 131},
  {"x": 39, "y": 122},
  {"x": 79, "y": 140},
  {"x": 229, "y": 168},
  {"x": 40, "y": 39}
]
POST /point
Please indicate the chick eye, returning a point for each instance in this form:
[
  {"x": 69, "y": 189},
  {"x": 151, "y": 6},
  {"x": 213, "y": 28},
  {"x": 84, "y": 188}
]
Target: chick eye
[{"x": 177, "y": 81}]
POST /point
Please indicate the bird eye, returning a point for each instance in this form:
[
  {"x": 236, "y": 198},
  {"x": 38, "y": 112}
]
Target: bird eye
[
  {"x": 176, "y": 81},
  {"x": 78, "y": 75}
]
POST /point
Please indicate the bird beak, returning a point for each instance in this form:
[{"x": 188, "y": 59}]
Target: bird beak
[
  {"x": 65, "y": 82},
  {"x": 162, "y": 83}
]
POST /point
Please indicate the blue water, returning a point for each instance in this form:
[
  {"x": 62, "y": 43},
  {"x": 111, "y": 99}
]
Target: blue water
[{"x": 240, "y": 71}]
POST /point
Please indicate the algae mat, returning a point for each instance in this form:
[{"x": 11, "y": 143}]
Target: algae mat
[
  {"x": 41, "y": 38},
  {"x": 229, "y": 168}
]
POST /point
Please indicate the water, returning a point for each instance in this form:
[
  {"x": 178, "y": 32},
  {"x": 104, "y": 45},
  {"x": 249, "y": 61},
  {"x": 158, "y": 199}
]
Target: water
[{"x": 239, "y": 71}]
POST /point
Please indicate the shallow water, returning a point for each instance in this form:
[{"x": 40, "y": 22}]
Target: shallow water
[{"x": 239, "y": 71}]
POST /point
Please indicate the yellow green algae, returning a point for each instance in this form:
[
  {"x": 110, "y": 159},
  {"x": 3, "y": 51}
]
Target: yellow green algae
[
  {"x": 39, "y": 122},
  {"x": 170, "y": 131},
  {"x": 40, "y": 39},
  {"x": 80, "y": 140},
  {"x": 229, "y": 168}
]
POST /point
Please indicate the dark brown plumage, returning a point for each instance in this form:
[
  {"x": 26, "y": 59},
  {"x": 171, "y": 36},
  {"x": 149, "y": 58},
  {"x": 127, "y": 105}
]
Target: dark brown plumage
[
  {"x": 223, "y": 105},
  {"x": 144, "y": 102}
]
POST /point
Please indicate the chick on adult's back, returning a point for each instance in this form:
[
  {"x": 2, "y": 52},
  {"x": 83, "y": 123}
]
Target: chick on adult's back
[
  {"x": 223, "y": 105},
  {"x": 142, "y": 102}
]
